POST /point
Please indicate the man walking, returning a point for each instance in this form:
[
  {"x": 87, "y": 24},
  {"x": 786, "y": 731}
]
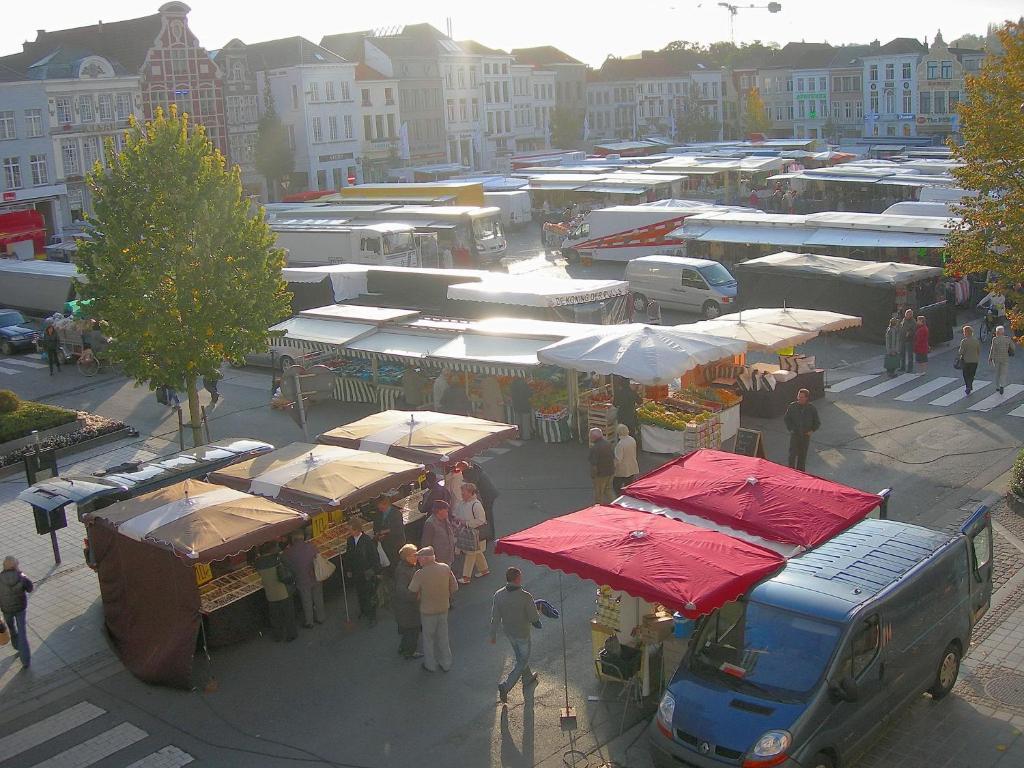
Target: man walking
[
  {"x": 434, "y": 584},
  {"x": 602, "y": 466},
  {"x": 14, "y": 589},
  {"x": 801, "y": 420},
  {"x": 514, "y": 611},
  {"x": 361, "y": 566},
  {"x": 908, "y": 328}
]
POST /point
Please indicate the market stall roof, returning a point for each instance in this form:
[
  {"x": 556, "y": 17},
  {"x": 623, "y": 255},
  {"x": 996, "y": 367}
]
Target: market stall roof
[
  {"x": 852, "y": 270},
  {"x": 347, "y": 280},
  {"x": 531, "y": 291},
  {"x": 420, "y": 436},
  {"x": 200, "y": 521},
  {"x": 644, "y": 353},
  {"x": 655, "y": 558},
  {"x": 396, "y": 345},
  {"x": 804, "y": 319},
  {"x": 318, "y": 475},
  {"x": 756, "y": 334},
  {"x": 360, "y": 314},
  {"x": 852, "y": 238},
  {"x": 756, "y": 496},
  {"x": 332, "y": 332},
  {"x": 480, "y": 354},
  {"x": 607, "y": 188}
]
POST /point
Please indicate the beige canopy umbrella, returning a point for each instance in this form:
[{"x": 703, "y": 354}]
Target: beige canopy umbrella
[
  {"x": 422, "y": 436},
  {"x": 319, "y": 475},
  {"x": 804, "y": 319},
  {"x": 200, "y": 521},
  {"x": 757, "y": 334}
]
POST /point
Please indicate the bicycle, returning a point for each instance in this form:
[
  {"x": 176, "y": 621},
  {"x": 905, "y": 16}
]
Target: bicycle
[{"x": 88, "y": 363}]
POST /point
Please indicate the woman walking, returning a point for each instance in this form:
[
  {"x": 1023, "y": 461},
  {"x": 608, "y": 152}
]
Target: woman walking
[
  {"x": 626, "y": 467},
  {"x": 921, "y": 346},
  {"x": 407, "y": 611},
  {"x": 999, "y": 355},
  {"x": 892, "y": 347},
  {"x": 969, "y": 355},
  {"x": 51, "y": 343},
  {"x": 471, "y": 512}
]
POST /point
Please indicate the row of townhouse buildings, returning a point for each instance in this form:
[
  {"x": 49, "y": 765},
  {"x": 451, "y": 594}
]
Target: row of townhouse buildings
[
  {"x": 355, "y": 105},
  {"x": 903, "y": 89}
]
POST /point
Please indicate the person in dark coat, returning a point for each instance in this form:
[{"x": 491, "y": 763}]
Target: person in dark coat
[
  {"x": 405, "y": 605},
  {"x": 801, "y": 421},
  {"x": 456, "y": 401},
  {"x": 519, "y": 393},
  {"x": 439, "y": 533},
  {"x": 625, "y": 401},
  {"x": 300, "y": 555},
  {"x": 389, "y": 529},
  {"x": 14, "y": 589},
  {"x": 361, "y": 567},
  {"x": 435, "y": 492},
  {"x": 486, "y": 492},
  {"x": 51, "y": 344},
  {"x": 278, "y": 594}
]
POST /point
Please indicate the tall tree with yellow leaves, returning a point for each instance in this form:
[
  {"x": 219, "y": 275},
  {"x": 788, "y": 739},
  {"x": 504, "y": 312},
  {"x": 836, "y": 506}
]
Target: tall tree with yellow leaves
[
  {"x": 755, "y": 118},
  {"x": 990, "y": 235}
]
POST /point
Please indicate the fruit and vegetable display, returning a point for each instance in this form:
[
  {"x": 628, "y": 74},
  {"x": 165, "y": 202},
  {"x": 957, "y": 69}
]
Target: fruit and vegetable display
[
  {"x": 388, "y": 373},
  {"x": 668, "y": 417},
  {"x": 710, "y": 394}
]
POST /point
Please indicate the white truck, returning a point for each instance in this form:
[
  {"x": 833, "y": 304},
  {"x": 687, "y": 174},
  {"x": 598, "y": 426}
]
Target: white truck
[
  {"x": 624, "y": 232},
  {"x": 318, "y": 242},
  {"x": 514, "y": 204}
]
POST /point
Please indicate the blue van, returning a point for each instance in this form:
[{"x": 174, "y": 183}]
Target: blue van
[{"x": 803, "y": 670}]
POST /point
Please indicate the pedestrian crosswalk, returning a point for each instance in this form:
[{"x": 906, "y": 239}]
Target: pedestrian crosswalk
[
  {"x": 933, "y": 391},
  {"x": 83, "y": 735},
  {"x": 9, "y": 366}
]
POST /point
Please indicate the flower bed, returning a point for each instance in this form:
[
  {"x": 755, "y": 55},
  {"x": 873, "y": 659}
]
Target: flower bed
[
  {"x": 28, "y": 417},
  {"x": 93, "y": 426}
]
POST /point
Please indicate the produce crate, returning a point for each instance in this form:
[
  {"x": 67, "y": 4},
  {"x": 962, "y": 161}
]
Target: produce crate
[
  {"x": 553, "y": 428},
  {"x": 603, "y": 416},
  {"x": 656, "y": 439}
]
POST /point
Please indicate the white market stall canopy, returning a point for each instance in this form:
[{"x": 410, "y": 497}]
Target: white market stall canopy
[
  {"x": 817, "y": 320},
  {"x": 312, "y": 331},
  {"x": 359, "y": 314},
  {"x": 347, "y": 280},
  {"x": 757, "y": 334},
  {"x": 854, "y": 270},
  {"x": 532, "y": 291},
  {"x": 480, "y": 354},
  {"x": 644, "y": 353}
]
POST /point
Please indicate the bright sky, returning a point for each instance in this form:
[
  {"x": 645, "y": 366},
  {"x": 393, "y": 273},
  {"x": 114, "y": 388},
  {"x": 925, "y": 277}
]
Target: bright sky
[{"x": 588, "y": 31}]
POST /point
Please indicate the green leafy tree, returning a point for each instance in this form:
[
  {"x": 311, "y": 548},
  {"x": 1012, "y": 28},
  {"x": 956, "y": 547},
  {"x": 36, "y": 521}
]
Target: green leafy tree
[
  {"x": 273, "y": 155},
  {"x": 692, "y": 121},
  {"x": 566, "y": 128},
  {"x": 990, "y": 235},
  {"x": 181, "y": 272},
  {"x": 755, "y": 118}
]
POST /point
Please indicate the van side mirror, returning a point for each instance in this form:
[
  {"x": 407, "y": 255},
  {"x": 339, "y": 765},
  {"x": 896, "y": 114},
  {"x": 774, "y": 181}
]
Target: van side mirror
[{"x": 845, "y": 690}]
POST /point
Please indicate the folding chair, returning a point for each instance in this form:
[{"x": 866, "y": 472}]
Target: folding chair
[{"x": 632, "y": 688}]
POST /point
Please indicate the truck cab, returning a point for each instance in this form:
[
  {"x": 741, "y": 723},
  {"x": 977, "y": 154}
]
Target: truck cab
[{"x": 805, "y": 668}]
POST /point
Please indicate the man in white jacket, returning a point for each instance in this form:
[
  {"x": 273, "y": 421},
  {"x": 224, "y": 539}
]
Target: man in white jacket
[{"x": 626, "y": 466}]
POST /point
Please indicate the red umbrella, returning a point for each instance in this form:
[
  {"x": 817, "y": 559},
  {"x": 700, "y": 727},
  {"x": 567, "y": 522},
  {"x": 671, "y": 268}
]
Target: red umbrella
[
  {"x": 658, "y": 559},
  {"x": 755, "y": 496}
]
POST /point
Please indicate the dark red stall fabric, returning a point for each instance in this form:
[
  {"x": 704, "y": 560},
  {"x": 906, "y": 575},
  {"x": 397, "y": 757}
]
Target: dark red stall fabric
[
  {"x": 755, "y": 496},
  {"x": 661, "y": 560},
  {"x": 151, "y": 606}
]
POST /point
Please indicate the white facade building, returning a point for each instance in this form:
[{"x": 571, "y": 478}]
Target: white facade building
[
  {"x": 810, "y": 102},
  {"x": 464, "y": 115},
  {"x": 890, "y": 88},
  {"x": 381, "y": 122},
  {"x": 533, "y": 103}
]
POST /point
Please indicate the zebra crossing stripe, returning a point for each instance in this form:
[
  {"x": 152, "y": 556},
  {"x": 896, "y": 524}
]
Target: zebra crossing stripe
[
  {"x": 33, "y": 735},
  {"x": 1019, "y": 411},
  {"x": 958, "y": 394},
  {"x": 168, "y": 757},
  {"x": 95, "y": 749},
  {"x": 9, "y": 371},
  {"x": 850, "y": 383},
  {"x": 885, "y": 386},
  {"x": 990, "y": 402},
  {"x": 925, "y": 389},
  {"x": 21, "y": 361}
]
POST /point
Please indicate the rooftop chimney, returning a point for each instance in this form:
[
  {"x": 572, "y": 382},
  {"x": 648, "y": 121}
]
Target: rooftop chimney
[
  {"x": 99, "y": 25},
  {"x": 40, "y": 32}
]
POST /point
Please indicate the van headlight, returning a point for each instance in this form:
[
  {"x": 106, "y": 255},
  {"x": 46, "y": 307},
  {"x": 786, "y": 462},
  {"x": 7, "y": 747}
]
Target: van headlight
[
  {"x": 769, "y": 750},
  {"x": 666, "y": 711}
]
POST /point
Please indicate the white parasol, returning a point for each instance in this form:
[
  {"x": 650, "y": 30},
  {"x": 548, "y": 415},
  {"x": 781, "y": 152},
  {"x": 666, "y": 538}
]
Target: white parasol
[{"x": 804, "y": 319}]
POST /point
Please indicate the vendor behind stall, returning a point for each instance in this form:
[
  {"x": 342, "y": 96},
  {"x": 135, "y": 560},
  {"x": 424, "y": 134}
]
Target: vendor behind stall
[
  {"x": 626, "y": 402},
  {"x": 414, "y": 388},
  {"x": 389, "y": 529}
]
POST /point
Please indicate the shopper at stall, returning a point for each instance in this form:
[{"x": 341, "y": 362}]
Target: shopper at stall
[
  {"x": 908, "y": 327},
  {"x": 404, "y": 605},
  {"x": 300, "y": 554},
  {"x": 439, "y": 388},
  {"x": 281, "y": 607},
  {"x": 439, "y": 533},
  {"x": 999, "y": 354},
  {"x": 802, "y": 421},
  {"x": 362, "y": 565},
  {"x": 921, "y": 345},
  {"x": 434, "y": 584},
  {"x": 487, "y": 492},
  {"x": 969, "y": 355},
  {"x": 892, "y": 347},
  {"x": 519, "y": 393},
  {"x": 453, "y": 482},
  {"x": 602, "y": 466},
  {"x": 625, "y": 401},
  {"x": 414, "y": 388},
  {"x": 471, "y": 512},
  {"x": 626, "y": 466},
  {"x": 492, "y": 401},
  {"x": 389, "y": 528},
  {"x": 515, "y": 613},
  {"x": 456, "y": 401},
  {"x": 14, "y": 589}
]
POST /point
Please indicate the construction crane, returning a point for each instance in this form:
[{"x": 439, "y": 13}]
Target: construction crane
[{"x": 734, "y": 9}]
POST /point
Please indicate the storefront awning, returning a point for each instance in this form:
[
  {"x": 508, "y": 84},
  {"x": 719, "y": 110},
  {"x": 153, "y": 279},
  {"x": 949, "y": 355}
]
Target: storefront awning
[
  {"x": 755, "y": 496},
  {"x": 656, "y": 558}
]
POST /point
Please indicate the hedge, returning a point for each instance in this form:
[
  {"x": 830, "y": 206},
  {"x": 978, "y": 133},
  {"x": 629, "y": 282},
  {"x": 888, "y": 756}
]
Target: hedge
[{"x": 30, "y": 416}]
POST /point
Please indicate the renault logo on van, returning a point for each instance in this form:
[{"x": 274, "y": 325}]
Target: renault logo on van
[{"x": 704, "y": 747}]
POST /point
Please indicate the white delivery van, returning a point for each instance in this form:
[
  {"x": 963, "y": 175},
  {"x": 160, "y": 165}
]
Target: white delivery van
[
  {"x": 514, "y": 205},
  {"x": 679, "y": 282}
]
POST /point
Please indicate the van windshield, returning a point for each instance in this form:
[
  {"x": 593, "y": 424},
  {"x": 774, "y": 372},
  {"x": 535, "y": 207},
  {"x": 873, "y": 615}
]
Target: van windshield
[
  {"x": 486, "y": 228},
  {"x": 778, "y": 654},
  {"x": 716, "y": 274}
]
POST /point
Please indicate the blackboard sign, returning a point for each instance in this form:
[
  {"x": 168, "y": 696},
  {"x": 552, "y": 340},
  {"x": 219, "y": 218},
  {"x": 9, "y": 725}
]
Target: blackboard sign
[{"x": 749, "y": 443}]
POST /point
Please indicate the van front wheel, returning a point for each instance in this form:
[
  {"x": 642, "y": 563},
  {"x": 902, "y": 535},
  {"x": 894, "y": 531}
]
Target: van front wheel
[
  {"x": 711, "y": 310},
  {"x": 639, "y": 303},
  {"x": 946, "y": 674},
  {"x": 822, "y": 760}
]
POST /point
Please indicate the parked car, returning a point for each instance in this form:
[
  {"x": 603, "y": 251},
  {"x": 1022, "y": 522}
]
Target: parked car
[
  {"x": 680, "y": 282},
  {"x": 15, "y": 334},
  {"x": 805, "y": 669}
]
